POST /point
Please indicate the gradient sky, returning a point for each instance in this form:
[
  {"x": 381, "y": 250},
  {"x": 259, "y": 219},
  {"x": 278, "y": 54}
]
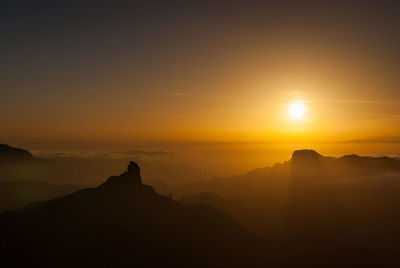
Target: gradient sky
[{"x": 205, "y": 71}]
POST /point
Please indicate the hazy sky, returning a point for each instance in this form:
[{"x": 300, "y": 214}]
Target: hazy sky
[{"x": 205, "y": 71}]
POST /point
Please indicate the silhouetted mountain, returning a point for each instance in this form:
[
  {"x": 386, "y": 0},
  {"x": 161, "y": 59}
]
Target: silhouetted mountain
[
  {"x": 15, "y": 194},
  {"x": 304, "y": 165},
  {"x": 368, "y": 164},
  {"x": 324, "y": 211},
  {"x": 8, "y": 153},
  {"x": 305, "y": 156},
  {"x": 124, "y": 223}
]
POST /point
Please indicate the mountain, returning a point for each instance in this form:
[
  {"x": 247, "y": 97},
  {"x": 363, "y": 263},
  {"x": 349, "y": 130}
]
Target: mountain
[
  {"x": 124, "y": 223},
  {"x": 15, "y": 194},
  {"x": 305, "y": 156},
  {"x": 303, "y": 167},
  {"x": 272, "y": 190},
  {"x": 323, "y": 211},
  {"x": 8, "y": 153}
]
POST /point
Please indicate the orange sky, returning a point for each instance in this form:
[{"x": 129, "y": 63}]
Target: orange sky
[{"x": 200, "y": 74}]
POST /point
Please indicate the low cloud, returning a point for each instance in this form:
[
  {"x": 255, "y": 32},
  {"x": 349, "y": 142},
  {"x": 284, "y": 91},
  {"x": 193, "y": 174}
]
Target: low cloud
[
  {"x": 97, "y": 155},
  {"x": 178, "y": 94},
  {"x": 146, "y": 153}
]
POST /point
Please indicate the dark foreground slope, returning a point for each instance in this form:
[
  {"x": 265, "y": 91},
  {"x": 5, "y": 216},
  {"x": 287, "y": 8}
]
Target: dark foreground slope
[{"x": 124, "y": 223}]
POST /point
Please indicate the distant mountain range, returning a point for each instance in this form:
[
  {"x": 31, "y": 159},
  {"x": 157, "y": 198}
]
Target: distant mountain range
[
  {"x": 304, "y": 165},
  {"x": 323, "y": 209}
]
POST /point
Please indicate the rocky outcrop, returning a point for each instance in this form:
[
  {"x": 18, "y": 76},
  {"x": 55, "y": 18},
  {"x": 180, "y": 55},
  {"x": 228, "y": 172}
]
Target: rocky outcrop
[{"x": 129, "y": 177}]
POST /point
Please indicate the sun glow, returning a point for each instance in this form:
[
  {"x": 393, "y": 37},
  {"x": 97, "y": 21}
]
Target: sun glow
[{"x": 296, "y": 111}]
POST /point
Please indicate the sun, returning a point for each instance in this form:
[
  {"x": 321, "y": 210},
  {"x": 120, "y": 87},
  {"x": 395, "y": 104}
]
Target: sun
[{"x": 296, "y": 111}]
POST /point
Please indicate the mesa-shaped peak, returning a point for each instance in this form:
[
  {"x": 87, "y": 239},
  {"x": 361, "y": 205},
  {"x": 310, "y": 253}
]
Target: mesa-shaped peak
[{"x": 301, "y": 156}]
